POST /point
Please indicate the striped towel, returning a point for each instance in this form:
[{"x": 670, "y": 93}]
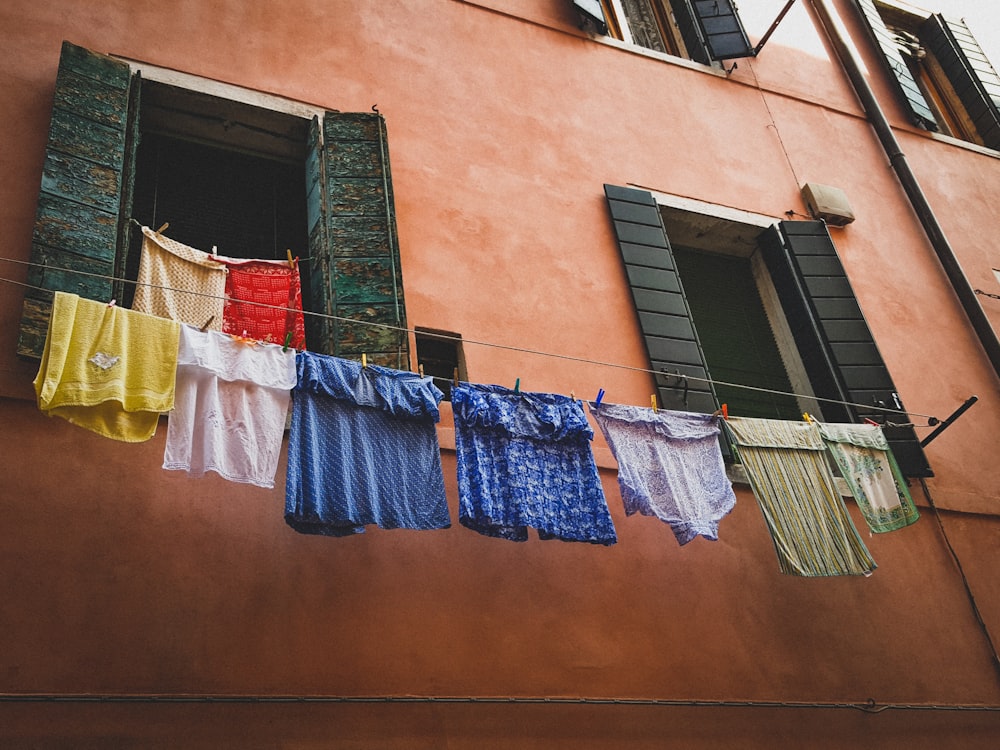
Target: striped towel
[{"x": 812, "y": 532}]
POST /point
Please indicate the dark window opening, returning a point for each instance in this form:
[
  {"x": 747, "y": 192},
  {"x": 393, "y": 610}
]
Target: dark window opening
[
  {"x": 235, "y": 187},
  {"x": 735, "y": 334},
  {"x": 439, "y": 354}
]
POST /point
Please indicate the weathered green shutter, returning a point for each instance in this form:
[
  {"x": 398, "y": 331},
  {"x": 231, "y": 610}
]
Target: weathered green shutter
[
  {"x": 355, "y": 274},
  {"x": 899, "y": 73},
  {"x": 81, "y": 212},
  {"x": 970, "y": 72},
  {"x": 840, "y": 356},
  {"x": 664, "y": 316}
]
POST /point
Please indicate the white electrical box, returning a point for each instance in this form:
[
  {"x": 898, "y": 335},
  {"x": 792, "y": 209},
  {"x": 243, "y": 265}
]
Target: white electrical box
[{"x": 827, "y": 203}]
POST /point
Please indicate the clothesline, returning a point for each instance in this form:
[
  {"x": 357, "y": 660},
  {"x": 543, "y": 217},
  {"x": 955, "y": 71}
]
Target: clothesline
[{"x": 459, "y": 339}]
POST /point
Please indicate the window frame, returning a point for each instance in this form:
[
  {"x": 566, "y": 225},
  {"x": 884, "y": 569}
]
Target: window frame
[
  {"x": 837, "y": 349},
  {"x": 85, "y": 201},
  {"x": 705, "y": 32},
  {"x": 947, "y": 83}
]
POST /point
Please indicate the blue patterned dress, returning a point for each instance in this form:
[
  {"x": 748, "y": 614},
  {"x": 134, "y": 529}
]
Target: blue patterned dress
[
  {"x": 362, "y": 449},
  {"x": 524, "y": 459}
]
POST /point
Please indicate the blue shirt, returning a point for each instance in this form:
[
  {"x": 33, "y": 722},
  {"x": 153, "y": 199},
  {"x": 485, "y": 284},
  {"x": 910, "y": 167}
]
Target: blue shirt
[
  {"x": 362, "y": 449},
  {"x": 524, "y": 459}
]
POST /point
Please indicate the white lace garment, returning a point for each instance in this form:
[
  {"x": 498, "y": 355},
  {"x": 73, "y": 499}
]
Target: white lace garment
[{"x": 230, "y": 405}]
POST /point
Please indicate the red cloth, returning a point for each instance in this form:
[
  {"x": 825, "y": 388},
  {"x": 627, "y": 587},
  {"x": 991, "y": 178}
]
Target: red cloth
[{"x": 267, "y": 283}]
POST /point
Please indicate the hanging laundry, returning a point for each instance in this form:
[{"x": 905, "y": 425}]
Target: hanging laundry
[
  {"x": 232, "y": 397},
  {"x": 263, "y": 300},
  {"x": 524, "y": 459},
  {"x": 107, "y": 369},
  {"x": 866, "y": 462},
  {"x": 179, "y": 282},
  {"x": 669, "y": 466},
  {"x": 812, "y": 532},
  {"x": 363, "y": 449}
]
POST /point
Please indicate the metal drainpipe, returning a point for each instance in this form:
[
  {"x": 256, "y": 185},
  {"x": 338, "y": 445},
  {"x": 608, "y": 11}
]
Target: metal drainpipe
[{"x": 966, "y": 296}]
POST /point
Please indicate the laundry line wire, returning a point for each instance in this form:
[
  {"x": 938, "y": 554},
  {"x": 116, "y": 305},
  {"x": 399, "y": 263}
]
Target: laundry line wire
[{"x": 462, "y": 340}]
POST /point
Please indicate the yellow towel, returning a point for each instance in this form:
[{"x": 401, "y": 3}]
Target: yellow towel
[
  {"x": 107, "y": 369},
  {"x": 166, "y": 269}
]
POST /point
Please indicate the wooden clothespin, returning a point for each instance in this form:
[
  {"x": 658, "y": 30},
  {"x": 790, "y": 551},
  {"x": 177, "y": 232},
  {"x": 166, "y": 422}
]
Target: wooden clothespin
[
  {"x": 456, "y": 377},
  {"x": 652, "y": 401},
  {"x": 420, "y": 369},
  {"x": 163, "y": 228},
  {"x": 207, "y": 323},
  {"x": 291, "y": 260},
  {"x": 572, "y": 396},
  {"x": 364, "y": 361}
]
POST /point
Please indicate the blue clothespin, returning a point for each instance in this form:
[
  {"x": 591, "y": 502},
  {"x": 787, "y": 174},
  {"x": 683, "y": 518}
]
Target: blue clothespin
[
  {"x": 600, "y": 396},
  {"x": 517, "y": 385}
]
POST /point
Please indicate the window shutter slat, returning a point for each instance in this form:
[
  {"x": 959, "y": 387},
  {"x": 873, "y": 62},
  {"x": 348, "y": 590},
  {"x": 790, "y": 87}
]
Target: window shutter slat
[
  {"x": 721, "y": 29},
  {"x": 899, "y": 73},
  {"x": 81, "y": 209},
  {"x": 663, "y": 314},
  {"x": 355, "y": 267},
  {"x": 840, "y": 355},
  {"x": 974, "y": 79}
]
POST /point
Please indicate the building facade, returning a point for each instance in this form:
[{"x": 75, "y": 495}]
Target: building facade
[{"x": 634, "y": 196}]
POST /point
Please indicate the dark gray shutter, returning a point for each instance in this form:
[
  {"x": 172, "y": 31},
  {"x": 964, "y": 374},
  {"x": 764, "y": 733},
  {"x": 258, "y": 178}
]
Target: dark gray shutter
[
  {"x": 664, "y": 316},
  {"x": 714, "y": 26},
  {"x": 592, "y": 15},
  {"x": 833, "y": 338},
  {"x": 81, "y": 211},
  {"x": 355, "y": 273},
  {"x": 899, "y": 73},
  {"x": 970, "y": 72}
]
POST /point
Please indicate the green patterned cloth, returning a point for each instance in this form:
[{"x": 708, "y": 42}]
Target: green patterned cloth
[
  {"x": 866, "y": 462},
  {"x": 791, "y": 478}
]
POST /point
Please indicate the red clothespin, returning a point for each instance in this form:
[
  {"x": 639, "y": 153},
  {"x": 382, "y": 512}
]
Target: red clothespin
[
  {"x": 872, "y": 422},
  {"x": 112, "y": 303}
]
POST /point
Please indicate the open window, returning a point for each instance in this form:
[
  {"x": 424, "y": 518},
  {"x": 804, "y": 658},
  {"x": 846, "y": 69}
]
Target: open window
[
  {"x": 440, "y": 356},
  {"x": 252, "y": 181},
  {"x": 939, "y": 70},
  {"x": 786, "y": 323},
  {"x": 700, "y": 30}
]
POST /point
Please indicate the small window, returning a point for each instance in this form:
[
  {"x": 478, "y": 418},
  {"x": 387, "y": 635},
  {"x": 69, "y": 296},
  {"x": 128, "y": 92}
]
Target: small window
[
  {"x": 700, "y": 30},
  {"x": 224, "y": 175},
  {"x": 252, "y": 174},
  {"x": 940, "y": 71},
  {"x": 439, "y": 354}
]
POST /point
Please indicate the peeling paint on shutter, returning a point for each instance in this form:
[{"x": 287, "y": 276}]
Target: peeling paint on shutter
[
  {"x": 355, "y": 268},
  {"x": 663, "y": 314},
  {"x": 899, "y": 73},
  {"x": 970, "y": 72},
  {"x": 836, "y": 345},
  {"x": 81, "y": 212}
]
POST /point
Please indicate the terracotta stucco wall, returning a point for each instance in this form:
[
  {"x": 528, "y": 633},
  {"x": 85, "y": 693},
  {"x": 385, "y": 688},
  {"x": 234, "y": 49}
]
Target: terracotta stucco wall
[{"x": 504, "y": 122}]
